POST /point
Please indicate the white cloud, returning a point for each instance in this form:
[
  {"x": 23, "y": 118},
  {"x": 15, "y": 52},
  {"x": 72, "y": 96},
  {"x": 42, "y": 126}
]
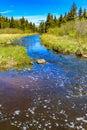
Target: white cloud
[
  {"x": 35, "y": 19},
  {"x": 6, "y": 12}
]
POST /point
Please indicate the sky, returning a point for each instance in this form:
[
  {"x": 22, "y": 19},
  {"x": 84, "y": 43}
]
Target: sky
[{"x": 36, "y": 10}]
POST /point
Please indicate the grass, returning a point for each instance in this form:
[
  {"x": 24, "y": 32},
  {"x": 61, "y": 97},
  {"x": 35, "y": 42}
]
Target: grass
[
  {"x": 64, "y": 44},
  {"x": 12, "y": 55},
  {"x": 11, "y": 31},
  {"x": 7, "y": 38},
  {"x": 70, "y": 37}
]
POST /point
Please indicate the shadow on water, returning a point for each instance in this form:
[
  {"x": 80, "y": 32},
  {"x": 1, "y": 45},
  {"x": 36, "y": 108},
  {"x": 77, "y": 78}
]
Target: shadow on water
[{"x": 53, "y": 96}]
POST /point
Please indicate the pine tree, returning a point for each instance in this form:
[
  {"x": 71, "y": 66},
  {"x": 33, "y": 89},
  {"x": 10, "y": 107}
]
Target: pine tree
[
  {"x": 65, "y": 18},
  {"x": 60, "y": 21},
  {"x": 42, "y": 27},
  {"x": 72, "y": 14},
  {"x": 33, "y": 28},
  {"x": 0, "y": 21},
  {"x": 49, "y": 22},
  {"x": 80, "y": 13},
  {"x": 55, "y": 21},
  {"x": 84, "y": 14},
  {"x": 73, "y": 11},
  {"x": 12, "y": 25},
  {"x": 22, "y": 23}
]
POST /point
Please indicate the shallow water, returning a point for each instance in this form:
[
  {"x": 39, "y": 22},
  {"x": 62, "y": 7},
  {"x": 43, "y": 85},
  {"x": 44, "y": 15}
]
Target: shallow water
[{"x": 52, "y": 96}]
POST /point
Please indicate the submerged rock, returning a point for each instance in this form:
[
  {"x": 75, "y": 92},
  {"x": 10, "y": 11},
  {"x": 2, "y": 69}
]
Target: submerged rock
[{"x": 41, "y": 61}]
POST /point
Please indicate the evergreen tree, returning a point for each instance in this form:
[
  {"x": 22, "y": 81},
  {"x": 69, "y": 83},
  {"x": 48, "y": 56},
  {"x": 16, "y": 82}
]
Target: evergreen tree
[
  {"x": 22, "y": 23},
  {"x": 55, "y": 21},
  {"x": 12, "y": 24},
  {"x": 73, "y": 11},
  {"x": 60, "y": 21},
  {"x": 84, "y": 14},
  {"x": 33, "y": 28},
  {"x": 0, "y": 21},
  {"x": 72, "y": 14},
  {"x": 42, "y": 27},
  {"x": 49, "y": 22},
  {"x": 65, "y": 18},
  {"x": 80, "y": 13}
]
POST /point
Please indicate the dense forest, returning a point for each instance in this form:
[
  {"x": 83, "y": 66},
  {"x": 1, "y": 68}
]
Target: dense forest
[
  {"x": 21, "y": 24},
  {"x": 51, "y": 21},
  {"x": 72, "y": 15}
]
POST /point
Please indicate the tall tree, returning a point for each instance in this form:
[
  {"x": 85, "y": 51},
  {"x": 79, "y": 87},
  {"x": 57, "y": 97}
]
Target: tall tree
[
  {"x": 84, "y": 14},
  {"x": 12, "y": 24},
  {"x": 49, "y": 22},
  {"x": 42, "y": 27},
  {"x": 80, "y": 13},
  {"x": 60, "y": 21},
  {"x": 72, "y": 14}
]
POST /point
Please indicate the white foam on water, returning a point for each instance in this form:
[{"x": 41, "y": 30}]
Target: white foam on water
[{"x": 17, "y": 112}]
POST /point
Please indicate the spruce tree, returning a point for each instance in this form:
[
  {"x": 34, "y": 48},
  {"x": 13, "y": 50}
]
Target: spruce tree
[
  {"x": 12, "y": 25},
  {"x": 60, "y": 21},
  {"x": 42, "y": 27},
  {"x": 80, "y": 13},
  {"x": 84, "y": 14}
]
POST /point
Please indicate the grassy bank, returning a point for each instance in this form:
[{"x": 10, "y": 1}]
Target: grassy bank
[
  {"x": 12, "y": 55},
  {"x": 59, "y": 43},
  {"x": 70, "y": 37},
  {"x": 8, "y": 38},
  {"x": 64, "y": 44}
]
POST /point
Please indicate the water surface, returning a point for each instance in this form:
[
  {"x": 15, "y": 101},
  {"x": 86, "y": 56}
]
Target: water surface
[{"x": 52, "y": 96}]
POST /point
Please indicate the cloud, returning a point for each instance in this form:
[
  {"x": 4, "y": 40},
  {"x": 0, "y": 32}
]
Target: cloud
[
  {"x": 6, "y": 12},
  {"x": 35, "y": 19}
]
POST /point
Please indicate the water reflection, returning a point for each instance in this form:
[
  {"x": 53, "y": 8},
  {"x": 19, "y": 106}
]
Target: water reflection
[{"x": 53, "y": 96}]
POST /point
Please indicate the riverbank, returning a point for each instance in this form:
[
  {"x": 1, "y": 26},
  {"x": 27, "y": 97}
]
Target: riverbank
[
  {"x": 12, "y": 55},
  {"x": 8, "y": 38},
  {"x": 64, "y": 44}
]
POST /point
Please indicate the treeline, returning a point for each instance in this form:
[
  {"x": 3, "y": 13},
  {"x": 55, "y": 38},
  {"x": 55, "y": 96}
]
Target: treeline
[
  {"x": 21, "y": 24},
  {"x": 72, "y": 15}
]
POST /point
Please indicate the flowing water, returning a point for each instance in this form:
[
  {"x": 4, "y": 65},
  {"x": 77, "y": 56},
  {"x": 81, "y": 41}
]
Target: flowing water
[{"x": 48, "y": 97}]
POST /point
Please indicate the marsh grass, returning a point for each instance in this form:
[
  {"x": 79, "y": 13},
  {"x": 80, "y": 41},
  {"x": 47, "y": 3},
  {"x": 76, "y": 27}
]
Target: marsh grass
[
  {"x": 12, "y": 55},
  {"x": 64, "y": 44},
  {"x": 5, "y": 38},
  {"x": 70, "y": 37}
]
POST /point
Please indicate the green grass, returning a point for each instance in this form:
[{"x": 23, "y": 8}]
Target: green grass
[
  {"x": 12, "y": 56},
  {"x": 70, "y": 37},
  {"x": 64, "y": 44},
  {"x": 11, "y": 31},
  {"x": 7, "y": 38}
]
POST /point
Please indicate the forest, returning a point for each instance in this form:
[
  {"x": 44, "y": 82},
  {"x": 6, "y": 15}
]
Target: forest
[
  {"x": 72, "y": 15},
  {"x": 21, "y": 24}
]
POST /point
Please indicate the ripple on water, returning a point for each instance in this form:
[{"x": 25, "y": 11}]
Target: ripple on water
[{"x": 52, "y": 96}]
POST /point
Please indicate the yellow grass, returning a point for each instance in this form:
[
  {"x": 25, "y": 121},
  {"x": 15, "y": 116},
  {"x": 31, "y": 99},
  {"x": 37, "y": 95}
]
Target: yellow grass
[{"x": 9, "y": 37}]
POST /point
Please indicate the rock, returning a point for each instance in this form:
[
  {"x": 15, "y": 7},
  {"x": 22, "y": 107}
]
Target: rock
[
  {"x": 8, "y": 42},
  {"x": 84, "y": 55},
  {"x": 31, "y": 63},
  {"x": 41, "y": 61}
]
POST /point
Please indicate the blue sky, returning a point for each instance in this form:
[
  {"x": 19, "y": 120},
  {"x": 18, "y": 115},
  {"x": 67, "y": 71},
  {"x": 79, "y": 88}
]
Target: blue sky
[{"x": 37, "y": 10}]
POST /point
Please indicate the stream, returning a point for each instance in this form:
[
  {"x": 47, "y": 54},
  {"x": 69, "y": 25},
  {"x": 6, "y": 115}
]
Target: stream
[{"x": 48, "y": 97}]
